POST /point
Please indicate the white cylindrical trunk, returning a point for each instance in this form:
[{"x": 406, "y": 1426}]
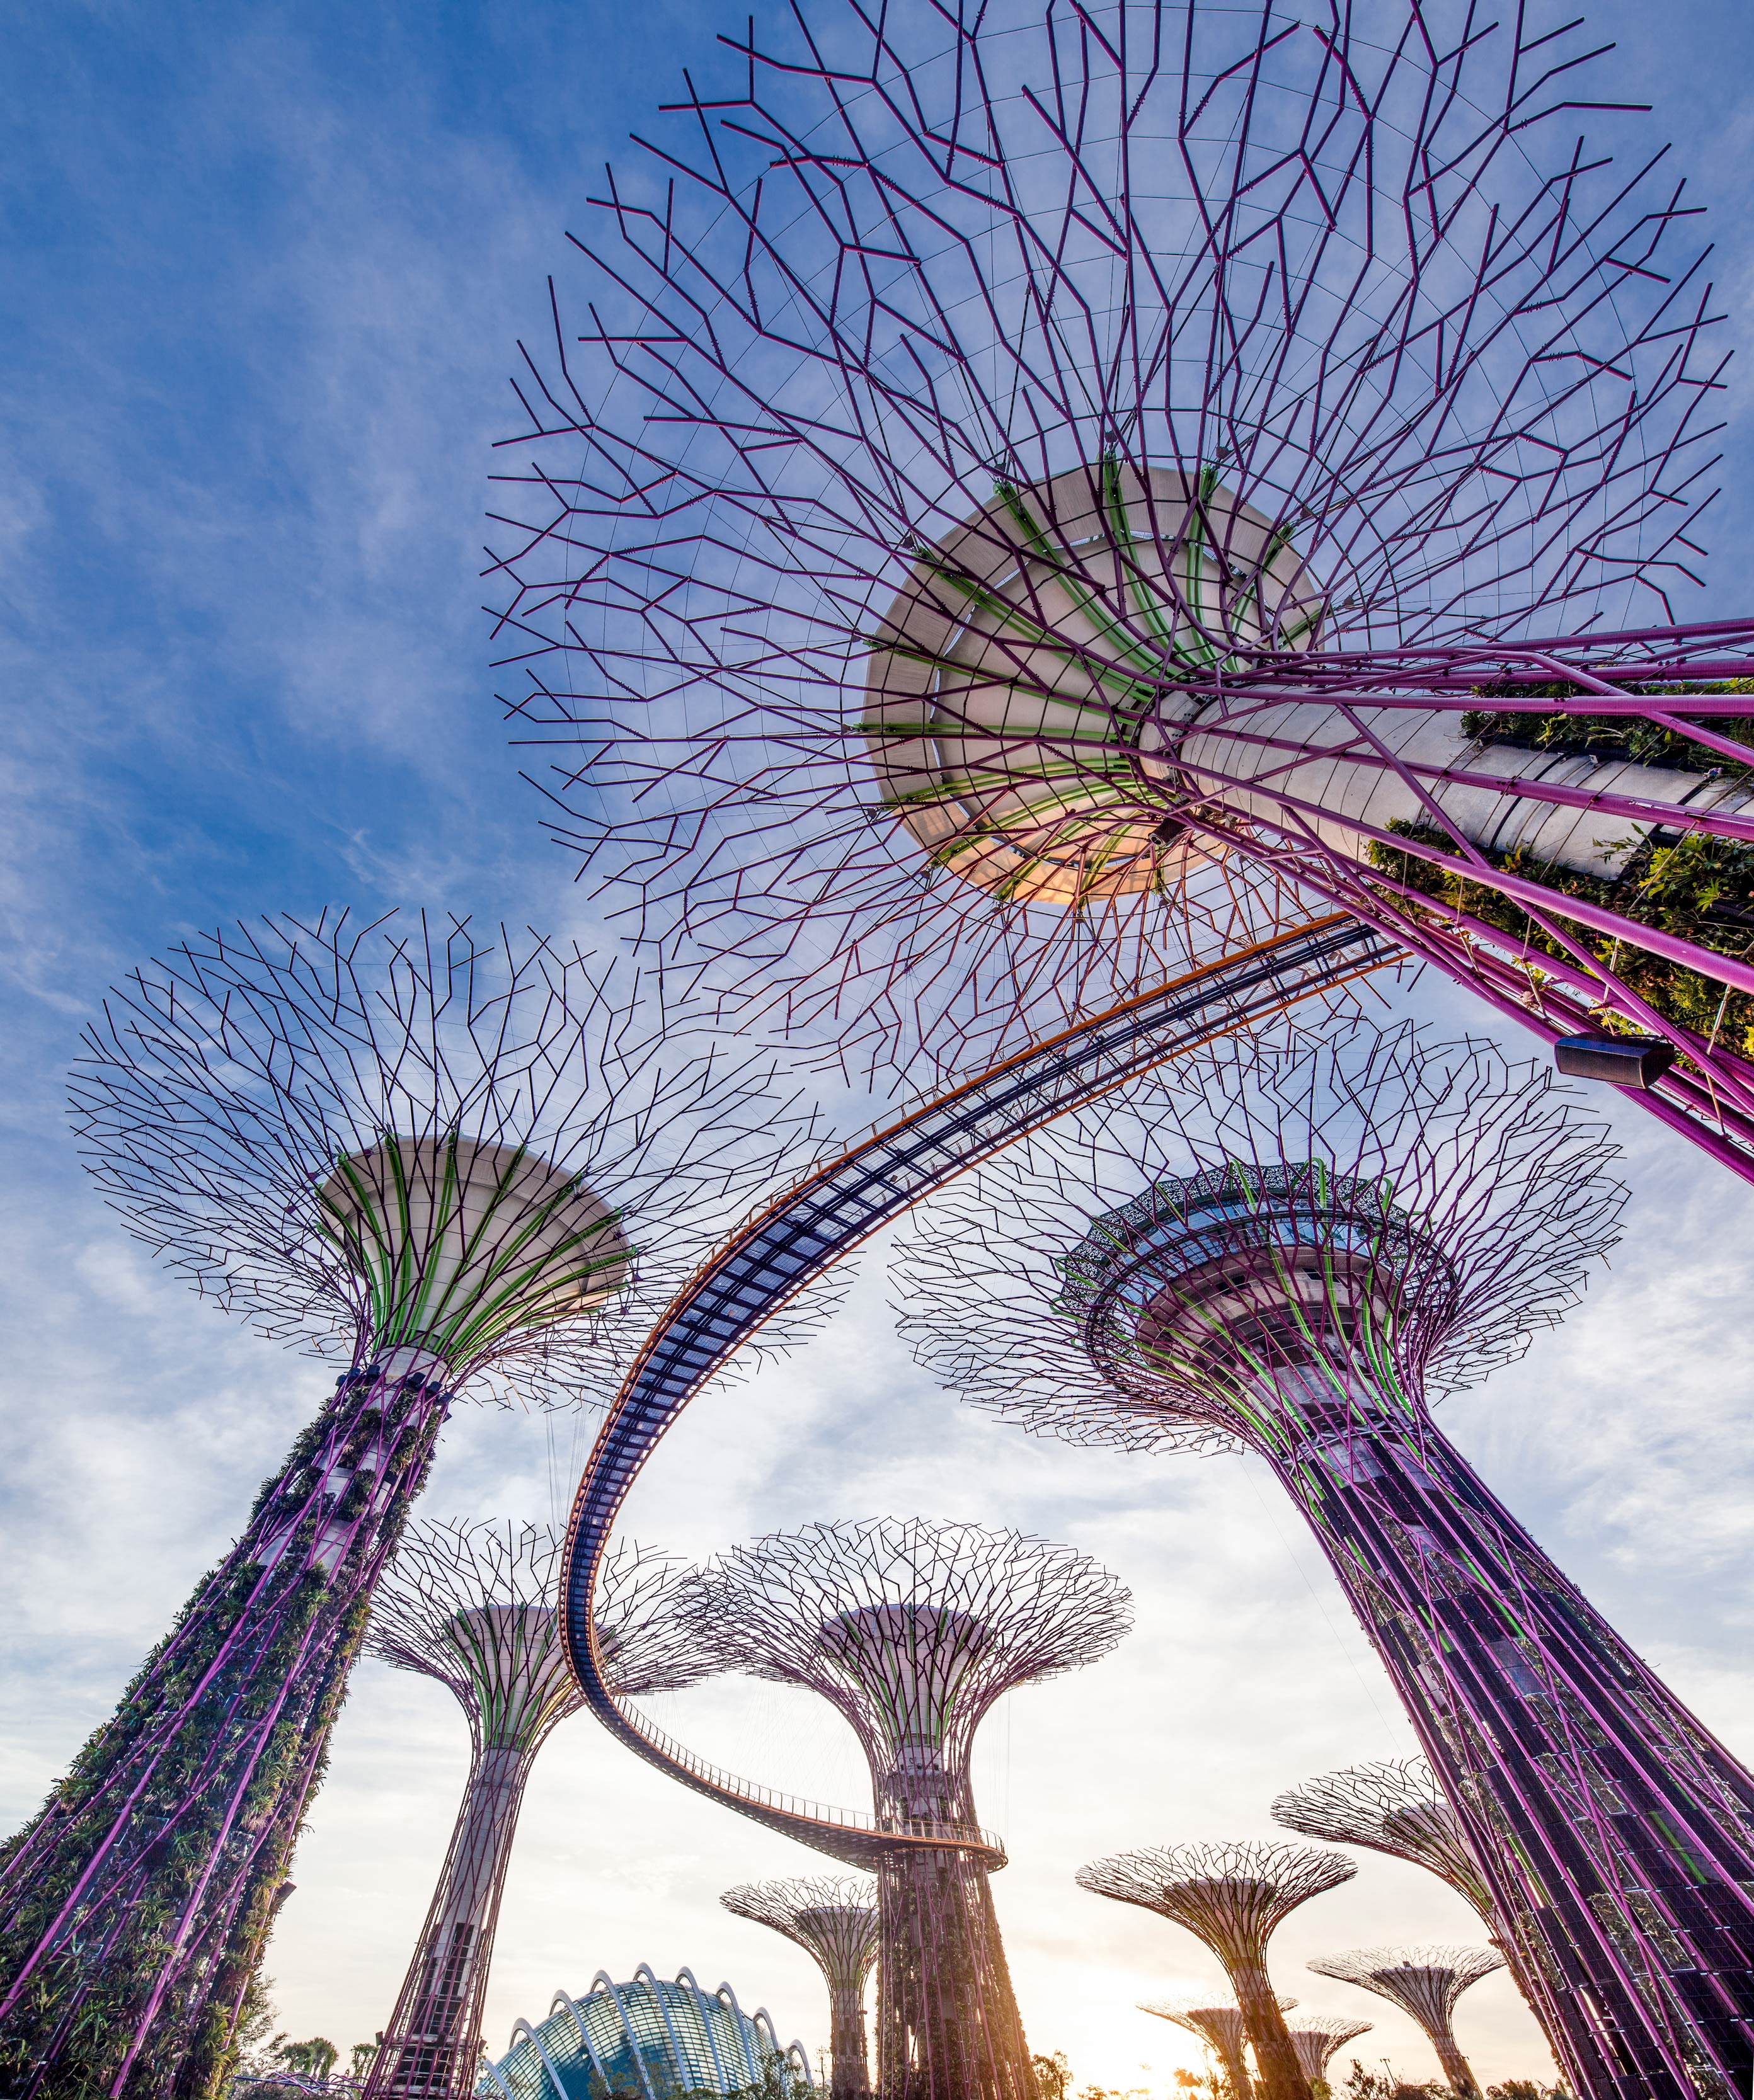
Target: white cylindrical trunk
[{"x": 1349, "y": 790}]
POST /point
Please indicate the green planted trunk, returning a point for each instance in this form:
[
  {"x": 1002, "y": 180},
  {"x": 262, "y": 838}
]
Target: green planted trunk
[
  {"x": 1699, "y": 887},
  {"x": 135, "y": 1909},
  {"x": 1610, "y": 737}
]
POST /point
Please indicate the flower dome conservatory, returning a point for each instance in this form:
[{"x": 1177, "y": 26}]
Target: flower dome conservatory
[{"x": 647, "y": 2040}]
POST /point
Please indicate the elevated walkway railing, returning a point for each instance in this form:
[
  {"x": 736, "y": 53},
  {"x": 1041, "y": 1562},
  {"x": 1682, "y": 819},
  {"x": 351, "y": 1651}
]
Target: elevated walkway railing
[
  {"x": 722, "y": 1785},
  {"x": 802, "y": 1232}
]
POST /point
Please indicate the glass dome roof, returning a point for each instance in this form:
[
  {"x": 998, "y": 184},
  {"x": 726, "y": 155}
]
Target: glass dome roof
[{"x": 647, "y": 2040}]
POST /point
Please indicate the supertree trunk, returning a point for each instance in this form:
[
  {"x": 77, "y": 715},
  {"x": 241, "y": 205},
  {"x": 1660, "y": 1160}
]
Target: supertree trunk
[
  {"x": 1374, "y": 1221},
  {"x": 1224, "y": 2033},
  {"x": 948, "y": 2023},
  {"x": 1233, "y": 2058},
  {"x": 433, "y": 2043},
  {"x": 467, "y": 1605},
  {"x": 1454, "y": 2065},
  {"x": 1233, "y": 1897},
  {"x": 913, "y": 1630},
  {"x": 214, "y": 2018},
  {"x": 143, "y": 1889},
  {"x": 849, "y": 2075},
  {"x": 1277, "y": 2073},
  {"x": 1425, "y": 1983},
  {"x": 393, "y": 1144},
  {"x": 1617, "y": 1836}
]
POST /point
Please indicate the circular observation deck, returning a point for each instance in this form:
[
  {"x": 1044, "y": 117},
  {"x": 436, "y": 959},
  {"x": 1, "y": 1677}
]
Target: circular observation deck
[{"x": 1243, "y": 1265}]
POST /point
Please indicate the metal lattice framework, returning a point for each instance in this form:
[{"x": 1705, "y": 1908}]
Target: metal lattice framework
[
  {"x": 1222, "y": 2029},
  {"x": 835, "y": 1921},
  {"x": 911, "y": 1631},
  {"x": 648, "y": 2039},
  {"x": 1018, "y": 494},
  {"x": 1318, "y": 2037},
  {"x": 757, "y": 1271},
  {"x": 1293, "y": 1251},
  {"x": 1233, "y": 1897},
  {"x": 473, "y": 1606},
  {"x": 1394, "y": 1806},
  {"x": 464, "y": 1164},
  {"x": 1425, "y": 1983}
]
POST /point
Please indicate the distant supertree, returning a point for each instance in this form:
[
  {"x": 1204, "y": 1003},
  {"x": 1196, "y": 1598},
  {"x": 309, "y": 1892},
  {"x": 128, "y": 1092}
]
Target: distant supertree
[
  {"x": 1318, "y": 2036},
  {"x": 1019, "y": 497},
  {"x": 459, "y": 1164},
  {"x": 1425, "y": 1983},
  {"x": 1394, "y": 1806},
  {"x": 473, "y": 1606},
  {"x": 911, "y": 1631},
  {"x": 1291, "y": 1251},
  {"x": 1233, "y": 1898},
  {"x": 1222, "y": 2029},
  {"x": 835, "y": 1921}
]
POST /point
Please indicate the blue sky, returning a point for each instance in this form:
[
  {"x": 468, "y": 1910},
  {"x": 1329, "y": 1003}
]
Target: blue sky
[{"x": 266, "y": 268}]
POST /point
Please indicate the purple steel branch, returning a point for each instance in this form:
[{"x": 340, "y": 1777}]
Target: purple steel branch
[
  {"x": 1233, "y": 1898},
  {"x": 473, "y": 1606},
  {"x": 1292, "y": 1251},
  {"x": 911, "y": 1631},
  {"x": 1172, "y": 419}
]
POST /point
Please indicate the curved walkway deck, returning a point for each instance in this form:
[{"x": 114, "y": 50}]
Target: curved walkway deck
[{"x": 803, "y": 1231}]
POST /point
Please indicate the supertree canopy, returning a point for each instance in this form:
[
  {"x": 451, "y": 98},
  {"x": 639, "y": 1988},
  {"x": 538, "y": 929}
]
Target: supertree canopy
[
  {"x": 834, "y": 1919},
  {"x": 1233, "y": 1898},
  {"x": 473, "y": 1606},
  {"x": 1425, "y": 1983},
  {"x": 458, "y": 1163},
  {"x": 911, "y": 1631},
  {"x": 1317, "y": 2037},
  {"x": 1293, "y": 1251},
  {"x": 1021, "y": 496},
  {"x": 1394, "y": 1806},
  {"x": 1222, "y": 2029}
]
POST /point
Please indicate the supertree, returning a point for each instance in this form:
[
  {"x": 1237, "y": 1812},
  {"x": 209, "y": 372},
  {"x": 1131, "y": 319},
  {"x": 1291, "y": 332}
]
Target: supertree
[
  {"x": 1395, "y": 1805},
  {"x": 1233, "y": 1898},
  {"x": 1425, "y": 1983},
  {"x": 1292, "y": 1252},
  {"x": 1223, "y": 2030},
  {"x": 1318, "y": 2036},
  {"x": 911, "y": 1631},
  {"x": 1018, "y": 495},
  {"x": 458, "y": 1163},
  {"x": 835, "y": 1921},
  {"x": 473, "y": 1606}
]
